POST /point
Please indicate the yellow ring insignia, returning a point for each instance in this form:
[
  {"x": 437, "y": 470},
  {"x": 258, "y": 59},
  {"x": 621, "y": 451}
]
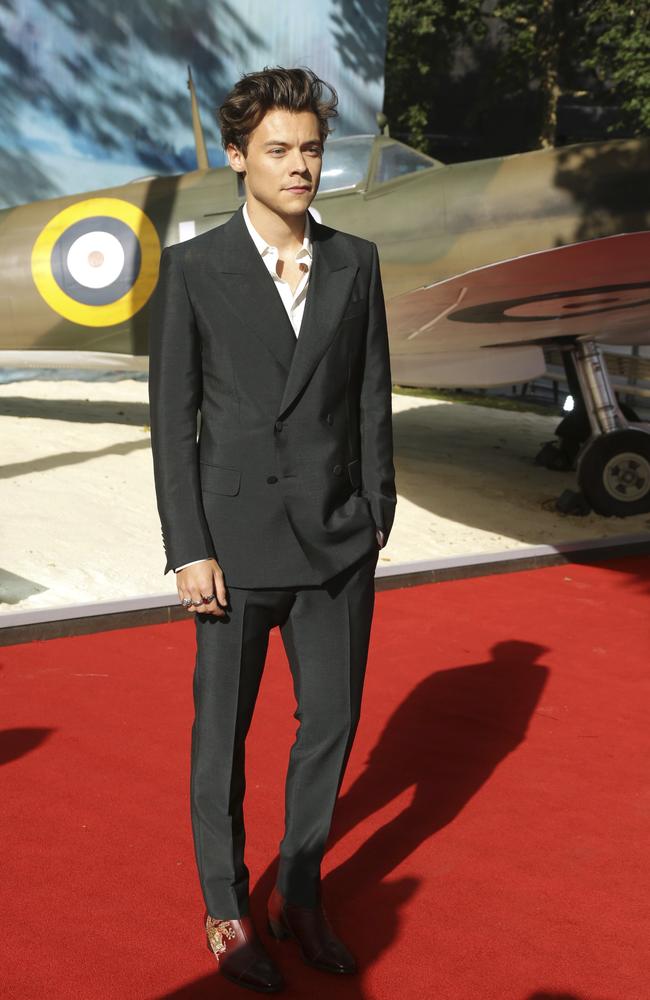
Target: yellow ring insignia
[{"x": 96, "y": 262}]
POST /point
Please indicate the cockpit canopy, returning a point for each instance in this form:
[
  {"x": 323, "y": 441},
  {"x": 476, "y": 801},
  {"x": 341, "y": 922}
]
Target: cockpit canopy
[{"x": 346, "y": 162}]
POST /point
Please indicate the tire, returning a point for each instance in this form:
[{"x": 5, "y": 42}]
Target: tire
[{"x": 614, "y": 472}]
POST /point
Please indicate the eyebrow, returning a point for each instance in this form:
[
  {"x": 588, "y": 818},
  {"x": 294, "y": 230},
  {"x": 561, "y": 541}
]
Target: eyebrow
[{"x": 281, "y": 142}]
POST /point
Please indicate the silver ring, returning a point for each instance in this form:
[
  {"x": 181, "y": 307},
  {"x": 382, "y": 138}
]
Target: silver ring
[
  {"x": 186, "y": 602},
  {"x": 197, "y": 604},
  {"x": 206, "y": 600}
]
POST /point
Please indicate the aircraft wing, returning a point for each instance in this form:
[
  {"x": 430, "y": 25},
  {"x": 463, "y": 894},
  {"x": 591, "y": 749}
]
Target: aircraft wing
[{"x": 597, "y": 288}]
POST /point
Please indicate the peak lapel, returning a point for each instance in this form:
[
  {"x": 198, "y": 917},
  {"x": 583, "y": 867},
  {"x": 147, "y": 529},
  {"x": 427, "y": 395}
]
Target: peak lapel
[
  {"x": 252, "y": 291},
  {"x": 330, "y": 284}
]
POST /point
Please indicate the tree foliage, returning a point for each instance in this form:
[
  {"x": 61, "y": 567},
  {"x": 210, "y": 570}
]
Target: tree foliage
[
  {"x": 423, "y": 37},
  {"x": 533, "y": 56},
  {"x": 619, "y": 56},
  {"x": 496, "y": 67}
]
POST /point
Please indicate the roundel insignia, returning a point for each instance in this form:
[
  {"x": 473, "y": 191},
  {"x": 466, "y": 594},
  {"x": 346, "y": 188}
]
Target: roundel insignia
[{"x": 96, "y": 262}]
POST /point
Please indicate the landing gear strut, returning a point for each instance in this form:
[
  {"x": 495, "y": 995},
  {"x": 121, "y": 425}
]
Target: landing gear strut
[{"x": 614, "y": 463}]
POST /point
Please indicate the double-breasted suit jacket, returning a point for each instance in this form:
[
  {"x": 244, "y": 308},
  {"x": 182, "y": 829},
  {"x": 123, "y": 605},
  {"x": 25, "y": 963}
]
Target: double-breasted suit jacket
[{"x": 292, "y": 471}]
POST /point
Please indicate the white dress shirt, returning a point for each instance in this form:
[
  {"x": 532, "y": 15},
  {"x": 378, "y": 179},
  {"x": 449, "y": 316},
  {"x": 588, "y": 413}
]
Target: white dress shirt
[{"x": 293, "y": 302}]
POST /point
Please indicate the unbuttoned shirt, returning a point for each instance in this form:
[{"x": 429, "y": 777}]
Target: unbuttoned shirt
[{"x": 293, "y": 302}]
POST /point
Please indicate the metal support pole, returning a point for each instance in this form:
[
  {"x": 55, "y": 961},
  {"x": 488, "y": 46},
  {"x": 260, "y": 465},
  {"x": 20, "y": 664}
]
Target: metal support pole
[{"x": 602, "y": 406}]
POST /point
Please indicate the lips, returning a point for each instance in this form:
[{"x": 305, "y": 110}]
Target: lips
[{"x": 298, "y": 189}]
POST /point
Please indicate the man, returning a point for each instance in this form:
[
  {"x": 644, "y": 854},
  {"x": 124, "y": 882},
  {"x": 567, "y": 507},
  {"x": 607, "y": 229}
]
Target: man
[{"x": 274, "y": 327}]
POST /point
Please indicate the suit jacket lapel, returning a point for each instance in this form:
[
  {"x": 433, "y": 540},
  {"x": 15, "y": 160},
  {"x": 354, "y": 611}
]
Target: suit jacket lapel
[
  {"x": 251, "y": 290},
  {"x": 330, "y": 284},
  {"x": 254, "y": 297}
]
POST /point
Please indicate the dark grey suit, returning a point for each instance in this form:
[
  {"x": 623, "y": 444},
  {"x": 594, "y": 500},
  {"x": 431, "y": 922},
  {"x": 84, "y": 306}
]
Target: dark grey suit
[{"x": 289, "y": 480}]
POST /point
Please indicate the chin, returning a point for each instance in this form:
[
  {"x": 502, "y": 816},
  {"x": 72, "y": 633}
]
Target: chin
[{"x": 297, "y": 208}]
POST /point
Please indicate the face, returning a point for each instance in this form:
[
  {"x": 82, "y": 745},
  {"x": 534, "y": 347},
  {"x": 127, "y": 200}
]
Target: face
[{"x": 283, "y": 162}]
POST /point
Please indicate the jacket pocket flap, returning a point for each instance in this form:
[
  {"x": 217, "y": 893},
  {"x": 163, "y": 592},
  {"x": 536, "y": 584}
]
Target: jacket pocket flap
[{"x": 219, "y": 479}]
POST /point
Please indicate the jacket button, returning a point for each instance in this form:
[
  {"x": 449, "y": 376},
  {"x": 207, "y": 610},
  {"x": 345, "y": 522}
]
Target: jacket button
[
  {"x": 271, "y": 479},
  {"x": 329, "y": 418},
  {"x": 278, "y": 425},
  {"x": 337, "y": 470}
]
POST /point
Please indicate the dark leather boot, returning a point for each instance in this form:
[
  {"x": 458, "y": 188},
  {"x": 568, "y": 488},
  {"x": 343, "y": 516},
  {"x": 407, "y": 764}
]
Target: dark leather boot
[
  {"x": 319, "y": 945},
  {"x": 240, "y": 954}
]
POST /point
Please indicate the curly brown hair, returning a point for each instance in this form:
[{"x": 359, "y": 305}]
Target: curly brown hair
[{"x": 256, "y": 93}]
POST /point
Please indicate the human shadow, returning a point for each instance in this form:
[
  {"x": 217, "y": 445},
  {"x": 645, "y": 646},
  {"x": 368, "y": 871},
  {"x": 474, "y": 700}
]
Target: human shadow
[
  {"x": 444, "y": 740},
  {"x": 15, "y": 743}
]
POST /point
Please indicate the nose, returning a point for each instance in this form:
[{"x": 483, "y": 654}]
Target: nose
[{"x": 299, "y": 163}]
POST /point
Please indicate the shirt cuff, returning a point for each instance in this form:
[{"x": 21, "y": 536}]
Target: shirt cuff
[{"x": 177, "y": 568}]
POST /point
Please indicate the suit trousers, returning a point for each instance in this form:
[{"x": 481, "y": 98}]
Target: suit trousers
[{"x": 325, "y": 631}]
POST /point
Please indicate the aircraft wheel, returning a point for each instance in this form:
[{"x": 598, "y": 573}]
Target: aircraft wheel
[
  {"x": 614, "y": 472},
  {"x": 574, "y": 429}
]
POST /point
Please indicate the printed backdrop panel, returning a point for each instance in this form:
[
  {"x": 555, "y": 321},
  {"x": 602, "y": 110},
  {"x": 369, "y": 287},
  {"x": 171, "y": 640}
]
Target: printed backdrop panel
[{"x": 95, "y": 94}]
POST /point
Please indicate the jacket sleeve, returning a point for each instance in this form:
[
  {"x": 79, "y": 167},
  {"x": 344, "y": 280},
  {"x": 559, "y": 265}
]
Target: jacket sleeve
[
  {"x": 175, "y": 391},
  {"x": 376, "y": 424}
]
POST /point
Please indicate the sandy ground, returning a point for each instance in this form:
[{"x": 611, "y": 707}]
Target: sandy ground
[{"x": 79, "y": 514}]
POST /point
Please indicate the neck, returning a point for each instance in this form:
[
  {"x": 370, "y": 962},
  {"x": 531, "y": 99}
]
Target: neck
[{"x": 279, "y": 230}]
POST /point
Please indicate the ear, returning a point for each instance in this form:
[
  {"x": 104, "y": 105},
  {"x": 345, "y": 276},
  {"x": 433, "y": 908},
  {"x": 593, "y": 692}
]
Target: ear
[{"x": 235, "y": 158}]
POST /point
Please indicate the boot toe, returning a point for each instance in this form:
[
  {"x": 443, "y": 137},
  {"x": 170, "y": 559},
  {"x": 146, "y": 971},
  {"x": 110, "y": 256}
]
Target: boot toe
[
  {"x": 335, "y": 957},
  {"x": 241, "y": 957},
  {"x": 319, "y": 945},
  {"x": 259, "y": 975}
]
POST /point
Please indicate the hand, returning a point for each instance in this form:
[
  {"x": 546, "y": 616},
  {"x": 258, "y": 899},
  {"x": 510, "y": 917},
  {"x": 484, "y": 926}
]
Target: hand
[{"x": 200, "y": 580}]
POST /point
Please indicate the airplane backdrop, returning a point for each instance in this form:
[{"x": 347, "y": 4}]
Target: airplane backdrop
[{"x": 483, "y": 264}]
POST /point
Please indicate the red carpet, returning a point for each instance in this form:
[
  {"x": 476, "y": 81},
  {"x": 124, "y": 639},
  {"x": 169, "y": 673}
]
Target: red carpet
[{"x": 491, "y": 841}]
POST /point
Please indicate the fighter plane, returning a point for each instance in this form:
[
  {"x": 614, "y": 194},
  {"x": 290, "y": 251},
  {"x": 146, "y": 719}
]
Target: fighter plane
[{"x": 483, "y": 264}]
